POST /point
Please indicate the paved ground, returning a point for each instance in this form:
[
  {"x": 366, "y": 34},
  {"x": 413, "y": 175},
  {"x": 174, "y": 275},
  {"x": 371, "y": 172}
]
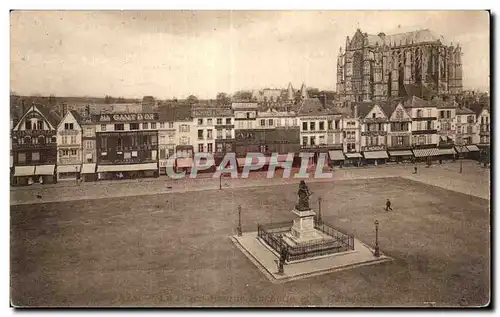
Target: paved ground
[
  {"x": 473, "y": 181},
  {"x": 265, "y": 259},
  {"x": 173, "y": 249}
]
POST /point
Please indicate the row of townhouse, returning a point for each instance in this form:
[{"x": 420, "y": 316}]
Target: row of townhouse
[{"x": 48, "y": 146}]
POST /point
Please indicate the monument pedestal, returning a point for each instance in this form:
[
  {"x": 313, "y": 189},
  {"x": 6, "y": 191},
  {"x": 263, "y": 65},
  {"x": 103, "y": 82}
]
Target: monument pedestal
[{"x": 303, "y": 230}]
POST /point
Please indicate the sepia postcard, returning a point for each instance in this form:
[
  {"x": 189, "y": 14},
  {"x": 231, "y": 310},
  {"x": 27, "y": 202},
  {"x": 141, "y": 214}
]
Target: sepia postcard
[{"x": 250, "y": 159}]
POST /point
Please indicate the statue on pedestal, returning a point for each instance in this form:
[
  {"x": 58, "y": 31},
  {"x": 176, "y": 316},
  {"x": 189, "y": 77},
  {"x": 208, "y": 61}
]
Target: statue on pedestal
[{"x": 303, "y": 194}]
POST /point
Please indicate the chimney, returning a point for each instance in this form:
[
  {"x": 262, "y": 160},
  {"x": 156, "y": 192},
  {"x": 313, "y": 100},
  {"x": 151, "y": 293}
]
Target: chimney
[
  {"x": 23, "y": 107},
  {"x": 355, "y": 110}
]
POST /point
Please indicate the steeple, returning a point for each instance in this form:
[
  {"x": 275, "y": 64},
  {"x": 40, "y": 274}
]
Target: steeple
[
  {"x": 289, "y": 94},
  {"x": 303, "y": 91}
]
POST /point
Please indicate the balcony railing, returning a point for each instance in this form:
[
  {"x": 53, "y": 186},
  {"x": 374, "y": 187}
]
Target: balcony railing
[
  {"x": 17, "y": 146},
  {"x": 431, "y": 131},
  {"x": 424, "y": 118},
  {"x": 374, "y": 133}
]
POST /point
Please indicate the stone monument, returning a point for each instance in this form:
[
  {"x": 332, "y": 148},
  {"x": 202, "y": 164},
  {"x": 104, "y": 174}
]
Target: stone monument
[{"x": 303, "y": 230}]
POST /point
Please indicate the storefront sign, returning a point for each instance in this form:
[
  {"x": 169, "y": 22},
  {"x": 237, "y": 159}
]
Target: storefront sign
[
  {"x": 373, "y": 148},
  {"x": 126, "y": 117}
]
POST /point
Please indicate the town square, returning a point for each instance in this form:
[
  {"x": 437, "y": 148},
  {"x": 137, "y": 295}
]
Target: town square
[{"x": 250, "y": 159}]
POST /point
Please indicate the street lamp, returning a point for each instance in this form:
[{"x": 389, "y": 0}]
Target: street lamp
[
  {"x": 461, "y": 166},
  {"x": 319, "y": 220},
  {"x": 220, "y": 181},
  {"x": 377, "y": 248},
  {"x": 76, "y": 175},
  {"x": 238, "y": 229}
]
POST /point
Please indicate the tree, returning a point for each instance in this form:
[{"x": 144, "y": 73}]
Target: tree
[
  {"x": 108, "y": 99},
  {"x": 223, "y": 99},
  {"x": 242, "y": 95},
  {"x": 313, "y": 92},
  {"x": 192, "y": 99}
]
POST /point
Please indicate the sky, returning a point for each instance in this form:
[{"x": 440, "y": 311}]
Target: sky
[{"x": 170, "y": 54}]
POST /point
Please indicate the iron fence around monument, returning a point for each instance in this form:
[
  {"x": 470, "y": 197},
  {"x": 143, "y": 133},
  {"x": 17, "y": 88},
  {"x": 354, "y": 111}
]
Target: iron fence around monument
[{"x": 271, "y": 234}]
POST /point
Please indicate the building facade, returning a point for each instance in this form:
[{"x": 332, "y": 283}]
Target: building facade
[
  {"x": 376, "y": 67},
  {"x": 69, "y": 147},
  {"x": 399, "y": 133},
  {"x": 465, "y": 127},
  {"x": 34, "y": 146},
  {"x": 127, "y": 145},
  {"x": 374, "y": 126},
  {"x": 166, "y": 136}
]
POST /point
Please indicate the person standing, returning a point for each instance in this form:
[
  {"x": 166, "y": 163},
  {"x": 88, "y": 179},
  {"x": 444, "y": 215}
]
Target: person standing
[{"x": 388, "y": 205}]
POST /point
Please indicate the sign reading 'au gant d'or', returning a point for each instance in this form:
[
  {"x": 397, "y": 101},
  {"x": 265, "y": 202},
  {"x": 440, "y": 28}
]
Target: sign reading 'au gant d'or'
[{"x": 125, "y": 117}]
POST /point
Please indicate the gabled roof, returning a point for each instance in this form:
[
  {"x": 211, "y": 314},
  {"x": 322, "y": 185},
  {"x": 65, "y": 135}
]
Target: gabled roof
[
  {"x": 51, "y": 115},
  {"x": 77, "y": 116},
  {"x": 311, "y": 107},
  {"x": 478, "y": 108},
  {"x": 415, "y": 102},
  {"x": 464, "y": 111}
]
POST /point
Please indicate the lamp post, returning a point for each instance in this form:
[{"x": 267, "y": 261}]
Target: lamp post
[
  {"x": 377, "y": 248},
  {"x": 461, "y": 166},
  {"x": 220, "y": 181},
  {"x": 76, "y": 175},
  {"x": 238, "y": 229},
  {"x": 319, "y": 220}
]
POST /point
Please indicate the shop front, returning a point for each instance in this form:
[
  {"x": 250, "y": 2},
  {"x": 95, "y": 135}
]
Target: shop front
[
  {"x": 426, "y": 155},
  {"x": 474, "y": 152},
  {"x": 45, "y": 174},
  {"x": 353, "y": 159},
  {"x": 337, "y": 158},
  {"x": 24, "y": 175},
  {"x": 68, "y": 172},
  {"x": 401, "y": 156},
  {"x": 461, "y": 151},
  {"x": 447, "y": 154},
  {"x": 375, "y": 157},
  {"x": 127, "y": 171},
  {"x": 88, "y": 173}
]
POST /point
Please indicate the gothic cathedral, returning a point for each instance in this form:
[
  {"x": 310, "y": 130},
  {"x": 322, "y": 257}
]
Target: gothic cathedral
[{"x": 377, "y": 67}]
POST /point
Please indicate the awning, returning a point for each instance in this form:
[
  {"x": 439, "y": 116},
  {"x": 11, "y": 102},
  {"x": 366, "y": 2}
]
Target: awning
[
  {"x": 426, "y": 152},
  {"x": 68, "y": 168},
  {"x": 336, "y": 155},
  {"x": 185, "y": 162},
  {"x": 44, "y": 169},
  {"x": 88, "y": 168},
  {"x": 447, "y": 151},
  {"x": 472, "y": 148},
  {"x": 24, "y": 171},
  {"x": 461, "y": 149},
  {"x": 401, "y": 153},
  {"x": 127, "y": 167},
  {"x": 353, "y": 155},
  {"x": 373, "y": 155}
]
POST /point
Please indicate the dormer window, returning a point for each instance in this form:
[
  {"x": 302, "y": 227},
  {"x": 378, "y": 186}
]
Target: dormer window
[
  {"x": 39, "y": 125},
  {"x": 374, "y": 115},
  {"x": 27, "y": 125},
  {"x": 68, "y": 126}
]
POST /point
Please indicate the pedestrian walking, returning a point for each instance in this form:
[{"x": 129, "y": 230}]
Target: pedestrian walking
[
  {"x": 388, "y": 205},
  {"x": 415, "y": 170}
]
